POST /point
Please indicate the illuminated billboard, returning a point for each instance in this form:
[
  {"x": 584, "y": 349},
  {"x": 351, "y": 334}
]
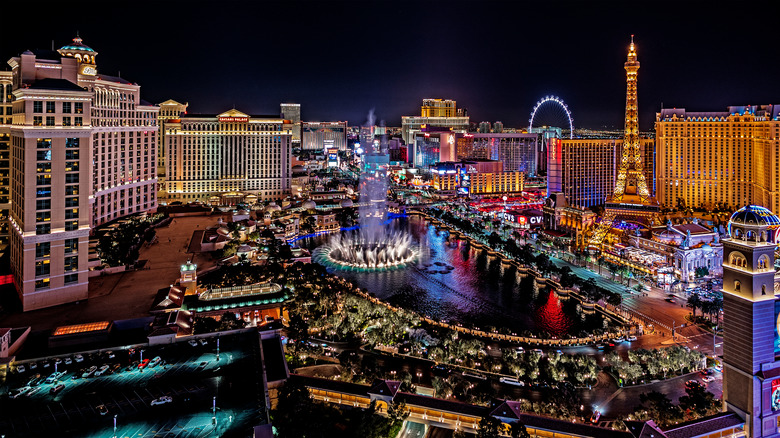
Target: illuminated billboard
[{"x": 775, "y": 395}]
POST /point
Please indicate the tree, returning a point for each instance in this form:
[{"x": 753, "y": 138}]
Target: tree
[
  {"x": 490, "y": 427},
  {"x": 398, "y": 412},
  {"x": 702, "y": 271},
  {"x": 694, "y": 302},
  {"x": 660, "y": 407},
  {"x": 518, "y": 430}
]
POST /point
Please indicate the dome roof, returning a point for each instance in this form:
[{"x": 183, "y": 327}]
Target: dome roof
[
  {"x": 346, "y": 203},
  {"x": 309, "y": 205},
  {"x": 756, "y": 216},
  {"x": 668, "y": 236},
  {"x": 77, "y": 45},
  {"x": 272, "y": 207}
]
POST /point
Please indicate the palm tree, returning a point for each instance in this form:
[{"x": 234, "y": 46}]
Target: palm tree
[{"x": 694, "y": 302}]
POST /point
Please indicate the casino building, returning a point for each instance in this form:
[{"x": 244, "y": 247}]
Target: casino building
[
  {"x": 729, "y": 157},
  {"x": 751, "y": 371},
  {"x": 227, "y": 158},
  {"x": 83, "y": 147}
]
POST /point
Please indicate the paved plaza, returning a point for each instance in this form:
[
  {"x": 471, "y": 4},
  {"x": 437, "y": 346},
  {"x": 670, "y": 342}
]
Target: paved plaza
[{"x": 129, "y": 294}]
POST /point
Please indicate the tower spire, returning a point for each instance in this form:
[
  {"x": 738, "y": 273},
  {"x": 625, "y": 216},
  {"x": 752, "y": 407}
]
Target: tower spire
[{"x": 631, "y": 197}]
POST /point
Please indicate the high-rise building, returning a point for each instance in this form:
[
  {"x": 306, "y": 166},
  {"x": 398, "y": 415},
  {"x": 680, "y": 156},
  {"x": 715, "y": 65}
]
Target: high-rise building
[
  {"x": 751, "y": 345},
  {"x": 584, "y": 170},
  {"x": 484, "y": 127},
  {"x": 729, "y": 157},
  {"x": 83, "y": 152},
  {"x": 516, "y": 151},
  {"x": 437, "y": 113},
  {"x": 321, "y": 136},
  {"x": 169, "y": 110},
  {"x": 292, "y": 112},
  {"x": 498, "y": 127},
  {"x": 432, "y": 146},
  {"x": 438, "y": 108},
  {"x": 227, "y": 158},
  {"x": 6, "y": 111}
]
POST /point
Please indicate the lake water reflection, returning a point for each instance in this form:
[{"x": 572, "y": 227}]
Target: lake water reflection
[{"x": 455, "y": 282}]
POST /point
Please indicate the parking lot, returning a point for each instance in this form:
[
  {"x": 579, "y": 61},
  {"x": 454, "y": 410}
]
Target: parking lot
[{"x": 148, "y": 401}]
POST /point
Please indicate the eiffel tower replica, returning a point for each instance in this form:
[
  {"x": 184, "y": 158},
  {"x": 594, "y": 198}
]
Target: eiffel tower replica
[{"x": 631, "y": 199}]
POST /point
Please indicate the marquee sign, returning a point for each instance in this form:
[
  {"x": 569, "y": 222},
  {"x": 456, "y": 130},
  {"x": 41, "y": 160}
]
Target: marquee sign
[{"x": 233, "y": 119}]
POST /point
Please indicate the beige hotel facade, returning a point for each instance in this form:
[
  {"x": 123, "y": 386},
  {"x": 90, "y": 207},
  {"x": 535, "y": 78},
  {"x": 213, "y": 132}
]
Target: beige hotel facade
[
  {"x": 730, "y": 157},
  {"x": 82, "y": 153}
]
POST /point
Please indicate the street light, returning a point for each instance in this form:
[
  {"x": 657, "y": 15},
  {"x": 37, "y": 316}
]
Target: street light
[
  {"x": 115, "y": 425},
  {"x": 217, "y": 348},
  {"x": 214, "y": 412},
  {"x": 141, "y": 369}
]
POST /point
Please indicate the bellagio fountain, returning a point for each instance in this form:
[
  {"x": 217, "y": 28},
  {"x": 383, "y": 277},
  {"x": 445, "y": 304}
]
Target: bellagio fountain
[{"x": 376, "y": 245}]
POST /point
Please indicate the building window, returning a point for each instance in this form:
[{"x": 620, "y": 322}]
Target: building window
[
  {"x": 43, "y": 180},
  {"x": 737, "y": 286},
  {"x": 43, "y": 229},
  {"x": 66, "y": 121},
  {"x": 43, "y": 216},
  {"x": 72, "y": 213},
  {"x": 71, "y": 246},
  {"x": 79, "y": 107},
  {"x": 37, "y": 106},
  {"x": 78, "y": 122},
  {"x": 71, "y": 202},
  {"x": 42, "y": 250},
  {"x": 49, "y": 120},
  {"x": 71, "y": 166},
  {"x": 37, "y": 121},
  {"x": 71, "y": 190},
  {"x": 43, "y": 156},
  {"x": 42, "y": 268},
  {"x": 43, "y": 204},
  {"x": 71, "y": 178},
  {"x": 71, "y": 263},
  {"x": 50, "y": 107},
  {"x": 42, "y": 283},
  {"x": 71, "y": 225},
  {"x": 44, "y": 143},
  {"x": 66, "y": 107},
  {"x": 71, "y": 278},
  {"x": 43, "y": 192},
  {"x": 72, "y": 142},
  {"x": 72, "y": 154}
]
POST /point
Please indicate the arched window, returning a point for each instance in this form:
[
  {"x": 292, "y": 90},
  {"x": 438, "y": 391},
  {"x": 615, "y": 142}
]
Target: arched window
[
  {"x": 763, "y": 289},
  {"x": 738, "y": 260},
  {"x": 737, "y": 286}
]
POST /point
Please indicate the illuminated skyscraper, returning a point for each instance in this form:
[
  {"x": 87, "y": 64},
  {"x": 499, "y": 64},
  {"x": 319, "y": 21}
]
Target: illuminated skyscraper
[{"x": 434, "y": 113}]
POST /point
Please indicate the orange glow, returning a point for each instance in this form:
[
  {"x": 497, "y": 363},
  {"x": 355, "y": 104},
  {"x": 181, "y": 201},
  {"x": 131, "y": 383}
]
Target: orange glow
[{"x": 81, "y": 328}]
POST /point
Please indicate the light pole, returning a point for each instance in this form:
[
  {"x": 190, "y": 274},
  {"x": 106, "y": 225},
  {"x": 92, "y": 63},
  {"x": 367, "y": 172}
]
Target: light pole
[
  {"x": 214, "y": 412},
  {"x": 141, "y": 369},
  {"x": 115, "y": 425},
  {"x": 217, "y": 348}
]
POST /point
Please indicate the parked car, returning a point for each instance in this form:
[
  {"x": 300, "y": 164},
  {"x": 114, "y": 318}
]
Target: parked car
[
  {"x": 68, "y": 361},
  {"x": 56, "y": 389},
  {"x": 101, "y": 370},
  {"x": 538, "y": 351},
  {"x": 706, "y": 372},
  {"x": 204, "y": 342},
  {"x": 193, "y": 342},
  {"x": 156, "y": 361},
  {"x": 202, "y": 365},
  {"x": 78, "y": 358},
  {"x": 162, "y": 400},
  {"x": 33, "y": 365},
  {"x": 143, "y": 364},
  {"x": 511, "y": 381},
  {"x": 89, "y": 372},
  {"x": 21, "y": 369},
  {"x": 708, "y": 379},
  {"x": 18, "y": 392},
  {"x": 34, "y": 391}
]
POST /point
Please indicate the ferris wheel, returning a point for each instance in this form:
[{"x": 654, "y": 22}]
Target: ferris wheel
[{"x": 551, "y": 111}]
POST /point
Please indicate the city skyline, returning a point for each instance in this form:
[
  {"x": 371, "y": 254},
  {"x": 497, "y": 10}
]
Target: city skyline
[{"x": 494, "y": 58}]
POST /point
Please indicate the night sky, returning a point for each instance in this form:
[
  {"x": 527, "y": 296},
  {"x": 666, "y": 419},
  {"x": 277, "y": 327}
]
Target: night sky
[{"x": 339, "y": 59}]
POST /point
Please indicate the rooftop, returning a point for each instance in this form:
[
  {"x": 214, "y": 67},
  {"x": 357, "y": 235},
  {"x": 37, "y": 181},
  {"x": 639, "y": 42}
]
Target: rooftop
[{"x": 55, "y": 84}]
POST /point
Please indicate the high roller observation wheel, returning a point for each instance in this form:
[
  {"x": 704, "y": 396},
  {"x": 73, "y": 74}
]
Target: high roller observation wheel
[{"x": 555, "y": 100}]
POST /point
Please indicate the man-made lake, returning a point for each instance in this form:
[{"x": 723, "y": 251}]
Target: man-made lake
[{"x": 456, "y": 282}]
